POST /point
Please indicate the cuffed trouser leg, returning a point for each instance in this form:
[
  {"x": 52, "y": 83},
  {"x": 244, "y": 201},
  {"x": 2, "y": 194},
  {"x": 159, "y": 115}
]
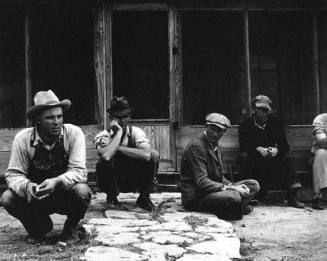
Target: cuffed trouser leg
[
  {"x": 319, "y": 171},
  {"x": 36, "y": 222},
  {"x": 225, "y": 204}
]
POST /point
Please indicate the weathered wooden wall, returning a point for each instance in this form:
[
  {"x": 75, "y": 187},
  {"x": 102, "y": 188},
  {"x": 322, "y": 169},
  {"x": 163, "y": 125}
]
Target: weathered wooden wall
[{"x": 158, "y": 135}]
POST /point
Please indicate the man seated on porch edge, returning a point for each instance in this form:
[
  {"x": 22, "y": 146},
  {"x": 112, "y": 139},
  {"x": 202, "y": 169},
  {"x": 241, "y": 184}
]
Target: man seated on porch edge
[
  {"x": 265, "y": 152},
  {"x": 46, "y": 172},
  {"x": 319, "y": 170},
  {"x": 127, "y": 161},
  {"x": 204, "y": 187}
]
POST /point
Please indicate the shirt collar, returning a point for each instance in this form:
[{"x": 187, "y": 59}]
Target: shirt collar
[
  {"x": 36, "y": 138},
  {"x": 262, "y": 127}
]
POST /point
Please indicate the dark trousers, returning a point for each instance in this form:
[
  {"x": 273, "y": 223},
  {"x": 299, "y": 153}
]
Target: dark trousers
[
  {"x": 35, "y": 215},
  {"x": 227, "y": 204},
  {"x": 125, "y": 174},
  {"x": 271, "y": 173}
]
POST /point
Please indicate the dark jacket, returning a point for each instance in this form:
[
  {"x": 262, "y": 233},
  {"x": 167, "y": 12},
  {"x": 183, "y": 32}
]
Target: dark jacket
[
  {"x": 251, "y": 137},
  {"x": 201, "y": 170}
]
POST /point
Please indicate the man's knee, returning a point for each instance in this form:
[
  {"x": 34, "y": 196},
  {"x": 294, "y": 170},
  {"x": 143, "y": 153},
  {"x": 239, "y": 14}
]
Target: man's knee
[
  {"x": 320, "y": 155},
  {"x": 8, "y": 199},
  {"x": 82, "y": 192},
  {"x": 245, "y": 157}
]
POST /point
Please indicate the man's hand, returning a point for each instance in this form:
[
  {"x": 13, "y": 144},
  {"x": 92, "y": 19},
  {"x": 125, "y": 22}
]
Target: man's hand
[
  {"x": 263, "y": 151},
  {"x": 273, "y": 151},
  {"x": 242, "y": 189},
  {"x": 30, "y": 191},
  {"x": 47, "y": 187},
  {"x": 115, "y": 127}
]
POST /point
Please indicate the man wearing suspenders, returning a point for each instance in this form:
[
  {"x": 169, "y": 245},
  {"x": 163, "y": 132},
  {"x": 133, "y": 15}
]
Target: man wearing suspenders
[{"x": 127, "y": 161}]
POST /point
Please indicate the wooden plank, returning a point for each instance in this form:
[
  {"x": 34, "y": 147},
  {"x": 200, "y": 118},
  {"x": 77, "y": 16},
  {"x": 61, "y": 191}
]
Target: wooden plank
[
  {"x": 247, "y": 63},
  {"x": 28, "y": 68},
  {"x": 315, "y": 62}
]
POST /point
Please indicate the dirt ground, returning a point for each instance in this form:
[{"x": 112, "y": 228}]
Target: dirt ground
[{"x": 270, "y": 232}]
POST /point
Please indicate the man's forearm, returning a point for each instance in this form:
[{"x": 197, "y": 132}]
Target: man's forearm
[
  {"x": 108, "y": 151},
  {"x": 136, "y": 153}
]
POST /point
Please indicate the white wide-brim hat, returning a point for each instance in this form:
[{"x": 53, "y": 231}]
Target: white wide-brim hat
[{"x": 44, "y": 100}]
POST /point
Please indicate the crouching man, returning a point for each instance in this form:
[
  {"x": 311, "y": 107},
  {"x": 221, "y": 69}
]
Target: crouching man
[
  {"x": 46, "y": 172},
  {"x": 204, "y": 188},
  {"x": 127, "y": 161}
]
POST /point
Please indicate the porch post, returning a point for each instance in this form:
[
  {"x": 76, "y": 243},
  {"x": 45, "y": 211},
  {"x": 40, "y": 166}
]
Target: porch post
[
  {"x": 28, "y": 84},
  {"x": 175, "y": 82},
  {"x": 247, "y": 63},
  {"x": 315, "y": 62},
  {"x": 103, "y": 62}
]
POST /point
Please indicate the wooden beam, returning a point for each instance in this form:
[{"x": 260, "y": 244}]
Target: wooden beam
[
  {"x": 28, "y": 73},
  {"x": 247, "y": 63},
  {"x": 315, "y": 63},
  {"x": 175, "y": 77},
  {"x": 103, "y": 61}
]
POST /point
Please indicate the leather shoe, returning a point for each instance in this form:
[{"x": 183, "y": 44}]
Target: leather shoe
[
  {"x": 144, "y": 202},
  {"x": 247, "y": 209},
  {"x": 316, "y": 204},
  {"x": 293, "y": 201},
  {"x": 112, "y": 200}
]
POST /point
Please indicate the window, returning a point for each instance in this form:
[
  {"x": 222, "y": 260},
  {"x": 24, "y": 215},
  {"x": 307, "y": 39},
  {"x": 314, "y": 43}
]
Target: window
[
  {"x": 140, "y": 62},
  {"x": 62, "y": 58},
  {"x": 12, "y": 69},
  {"x": 281, "y": 62},
  {"x": 212, "y": 47}
]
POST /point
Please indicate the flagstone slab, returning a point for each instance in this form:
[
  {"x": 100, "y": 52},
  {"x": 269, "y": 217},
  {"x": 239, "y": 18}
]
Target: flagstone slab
[
  {"x": 103, "y": 253},
  {"x": 167, "y": 233}
]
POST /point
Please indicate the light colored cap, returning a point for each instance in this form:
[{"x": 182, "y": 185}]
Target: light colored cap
[
  {"x": 262, "y": 101},
  {"x": 217, "y": 119}
]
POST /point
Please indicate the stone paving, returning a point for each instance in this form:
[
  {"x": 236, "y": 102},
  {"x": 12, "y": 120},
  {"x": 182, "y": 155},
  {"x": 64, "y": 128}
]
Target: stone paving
[{"x": 168, "y": 233}]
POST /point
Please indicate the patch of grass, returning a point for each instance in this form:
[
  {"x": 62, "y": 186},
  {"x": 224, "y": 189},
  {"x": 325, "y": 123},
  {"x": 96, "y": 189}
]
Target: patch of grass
[{"x": 194, "y": 221}]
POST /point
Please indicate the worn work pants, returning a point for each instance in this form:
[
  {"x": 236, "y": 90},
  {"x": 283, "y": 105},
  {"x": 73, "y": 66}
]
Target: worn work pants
[
  {"x": 271, "y": 173},
  {"x": 35, "y": 215},
  {"x": 227, "y": 204},
  {"x": 125, "y": 174},
  {"x": 319, "y": 171}
]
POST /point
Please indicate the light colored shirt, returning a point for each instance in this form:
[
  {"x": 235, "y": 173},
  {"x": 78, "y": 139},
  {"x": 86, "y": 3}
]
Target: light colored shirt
[
  {"x": 138, "y": 136},
  {"x": 319, "y": 126},
  {"x": 23, "y": 150}
]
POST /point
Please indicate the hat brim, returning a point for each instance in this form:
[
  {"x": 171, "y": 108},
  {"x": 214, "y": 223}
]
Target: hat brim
[
  {"x": 35, "y": 110},
  {"x": 120, "y": 113},
  {"x": 263, "y": 105},
  {"x": 221, "y": 126}
]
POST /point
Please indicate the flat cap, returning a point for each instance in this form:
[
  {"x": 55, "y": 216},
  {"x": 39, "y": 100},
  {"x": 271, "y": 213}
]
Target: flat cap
[
  {"x": 262, "y": 101},
  {"x": 217, "y": 119}
]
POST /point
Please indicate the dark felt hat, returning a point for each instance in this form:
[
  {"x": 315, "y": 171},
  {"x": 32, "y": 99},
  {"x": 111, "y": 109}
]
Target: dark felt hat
[{"x": 119, "y": 107}]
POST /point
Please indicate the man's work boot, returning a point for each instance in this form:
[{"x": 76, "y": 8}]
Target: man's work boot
[
  {"x": 316, "y": 204},
  {"x": 112, "y": 200},
  {"x": 145, "y": 202},
  {"x": 292, "y": 200},
  {"x": 247, "y": 209},
  {"x": 69, "y": 231}
]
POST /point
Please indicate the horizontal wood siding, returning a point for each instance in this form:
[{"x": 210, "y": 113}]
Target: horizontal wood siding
[{"x": 158, "y": 135}]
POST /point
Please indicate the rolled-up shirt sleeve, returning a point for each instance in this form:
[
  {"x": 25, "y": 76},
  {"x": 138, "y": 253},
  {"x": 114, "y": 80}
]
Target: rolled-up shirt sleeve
[
  {"x": 76, "y": 171},
  {"x": 16, "y": 172}
]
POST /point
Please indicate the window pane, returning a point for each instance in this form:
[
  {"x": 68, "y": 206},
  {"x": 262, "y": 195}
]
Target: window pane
[
  {"x": 212, "y": 44},
  {"x": 281, "y": 62},
  {"x": 140, "y": 62},
  {"x": 12, "y": 69},
  {"x": 62, "y": 59}
]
